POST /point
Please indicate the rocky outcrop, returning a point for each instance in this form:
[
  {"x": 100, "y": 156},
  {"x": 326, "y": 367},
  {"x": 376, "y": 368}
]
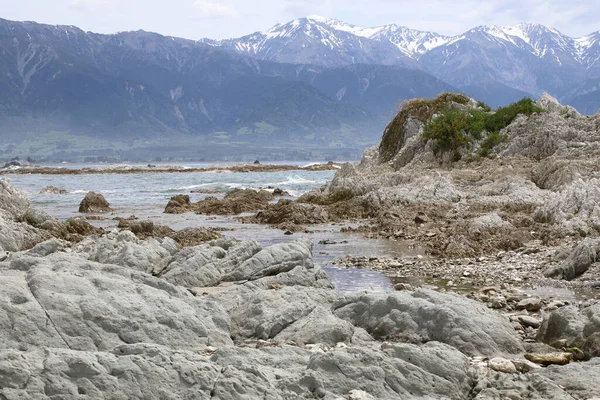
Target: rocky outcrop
[
  {"x": 265, "y": 323},
  {"x": 425, "y": 316},
  {"x": 290, "y": 212},
  {"x": 178, "y": 204},
  {"x": 94, "y": 203},
  {"x": 540, "y": 182},
  {"x": 12, "y": 202},
  {"x": 234, "y": 202}
]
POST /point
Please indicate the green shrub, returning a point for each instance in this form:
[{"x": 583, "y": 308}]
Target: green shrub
[
  {"x": 454, "y": 129},
  {"x": 505, "y": 115},
  {"x": 458, "y": 129},
  {"x": 492, "y": 140},
  {"x": 420, "y": 109}
]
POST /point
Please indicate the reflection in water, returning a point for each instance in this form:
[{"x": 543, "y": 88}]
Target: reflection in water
[{"x": 358, "y": 280}]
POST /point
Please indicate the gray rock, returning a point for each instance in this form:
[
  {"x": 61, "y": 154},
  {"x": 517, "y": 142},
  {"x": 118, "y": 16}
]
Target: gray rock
[
  {"x": 228, "y": 260},
  {"x": 576, "y": 327},
  {"x": 424, "y": 316},
  {"x": 125, "y": 249},
  {"x": 320, "y": 326},
  {"x": 502, "y": 365},
  {"x": 528, "y": 321},
  {"x": 530, "y": 304},
  {"x": 15, "y": 236},
  {"x": 48, "y": 247},
  {"x": 12, "y": 202},
  {"x": 205, "y": 265},
  {"x": 88, "y": 306},
  {"x": 578, "y": 262},
  {"x": 282, "y": 257},
  {"x": 573, "y": 381},
  {"x": 405, "y": 371}
]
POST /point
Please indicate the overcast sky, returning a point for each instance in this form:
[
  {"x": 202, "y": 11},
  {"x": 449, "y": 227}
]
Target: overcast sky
[{"x": 194, "y": 19}]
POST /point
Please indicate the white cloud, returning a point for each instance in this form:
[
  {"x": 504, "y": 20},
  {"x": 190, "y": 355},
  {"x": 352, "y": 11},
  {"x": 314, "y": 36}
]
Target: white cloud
[{"x": 211, "y": 9}]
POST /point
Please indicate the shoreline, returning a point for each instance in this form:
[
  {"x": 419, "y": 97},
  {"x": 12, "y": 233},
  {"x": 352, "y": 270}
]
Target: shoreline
[{"x": 130, "y": 169}]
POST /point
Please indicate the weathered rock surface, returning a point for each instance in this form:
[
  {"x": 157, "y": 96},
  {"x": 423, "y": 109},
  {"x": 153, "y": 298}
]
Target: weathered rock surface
[
  {"x": 94, "y": 203},
  {"x": 125, "y": 249},
  {"x": 12, "y": 202},
  {"x": 422, "y": 316},
  {"x": 234, "y": 202},
  {"x": 573, "y": 381},
  {"x": 578, "y": 262},
  {"x": 186, "y": 237},
  {"x": 579, "y": 327}
]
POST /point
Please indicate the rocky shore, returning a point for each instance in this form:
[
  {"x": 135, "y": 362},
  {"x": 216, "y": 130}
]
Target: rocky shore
[
  {"x": 147, "y": 313},
  {"x": 115, "y": 315},
  {"x": 152, "y": 169}
]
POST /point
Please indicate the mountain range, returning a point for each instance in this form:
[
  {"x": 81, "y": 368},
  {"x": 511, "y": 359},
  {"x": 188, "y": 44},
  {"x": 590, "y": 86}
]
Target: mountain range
[
  {"x": 495, "y": 62},
  {"x": 314, "y": 87}
]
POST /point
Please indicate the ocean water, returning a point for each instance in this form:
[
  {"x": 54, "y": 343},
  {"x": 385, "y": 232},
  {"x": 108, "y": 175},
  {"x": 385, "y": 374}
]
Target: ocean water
[{"x": 146, "y": 195}]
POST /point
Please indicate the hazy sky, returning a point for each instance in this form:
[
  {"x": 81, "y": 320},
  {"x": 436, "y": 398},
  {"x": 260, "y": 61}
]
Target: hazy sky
[{"x": 232, "y": 18}]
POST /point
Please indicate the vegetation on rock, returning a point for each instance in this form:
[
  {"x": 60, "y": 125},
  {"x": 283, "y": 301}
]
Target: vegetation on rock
[
  {"x": 419, "y": 109},
  {"x": 457, "y": 129}
]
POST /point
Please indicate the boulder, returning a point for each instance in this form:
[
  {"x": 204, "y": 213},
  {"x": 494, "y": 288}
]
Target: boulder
[
  {"x": 178, "y": 204},
  {"x": 423, "y": 316},
  {"x": 235, "y": 202},
  {"x": 530, "y": 304},
  {"x": 290, "y": 212},
  {"x": 94, "y": 203},
  {"x": 12, "y": 202},
  {"x": 576, "y": 327}
]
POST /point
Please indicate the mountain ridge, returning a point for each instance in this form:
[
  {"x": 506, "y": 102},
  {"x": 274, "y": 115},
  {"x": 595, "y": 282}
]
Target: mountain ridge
[{"x": 527, "y": 57}]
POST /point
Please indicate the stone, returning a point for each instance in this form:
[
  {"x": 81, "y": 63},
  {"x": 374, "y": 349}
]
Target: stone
[
  {"x": 573, "y": 381},
  {"x": 528, "y": 321},
  {"x": 532, "y": 304},
  {"x": 546, "y": 359},
  {"x": 525, "y": 366},
  {"x": 498, "y": 302},
  {"x": 94, "y": 203},
  {"x": 502, "y": 365},
  {"x": 570, "y": 324}
]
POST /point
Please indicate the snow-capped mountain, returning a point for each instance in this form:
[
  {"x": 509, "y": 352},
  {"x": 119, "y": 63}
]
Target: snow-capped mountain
[
  {"x": 318, "y": 41},
  {"x": 527, "y": 58}
]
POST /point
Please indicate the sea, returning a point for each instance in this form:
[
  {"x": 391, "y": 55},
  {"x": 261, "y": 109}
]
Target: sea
[{"x": 145, "y": 196}]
